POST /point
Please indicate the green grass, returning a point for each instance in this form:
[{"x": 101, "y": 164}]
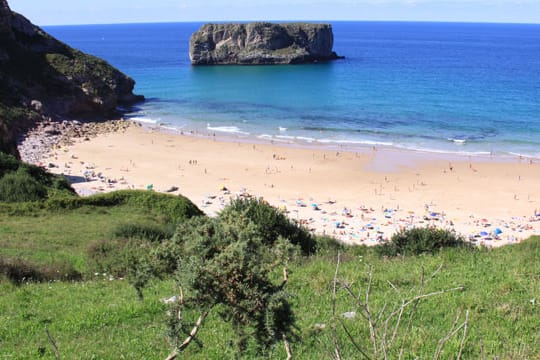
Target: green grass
[
  {"x": 102, "y": 319},
  {"x": 105, "y": 320},
  {"x": 61, "y": 230}
]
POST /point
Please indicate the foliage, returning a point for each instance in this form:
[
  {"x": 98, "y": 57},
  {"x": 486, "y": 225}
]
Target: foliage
[
  {"x": 270, "y": 222},
  {"x": 19, "y": 271},
  {"x": 417, "y": 241},
  {"x": 143, "y": 231},
  {"x": 172, "y": 208},
  {"x": 20, "y": 182},
  {"x": 231, "y": 266},
  {"x": 20, "y": 187},
  {"x": 80, "y": 231}
]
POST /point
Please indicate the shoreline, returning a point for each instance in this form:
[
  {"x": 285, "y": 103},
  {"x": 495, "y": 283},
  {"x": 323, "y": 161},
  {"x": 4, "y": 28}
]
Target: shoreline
[
  {"x": 358, "y": 197},
  {"x": 297, "y": 141}
]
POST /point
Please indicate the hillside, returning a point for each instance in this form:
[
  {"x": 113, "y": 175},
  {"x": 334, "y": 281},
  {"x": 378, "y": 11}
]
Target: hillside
[{"x": 41, "y": 77}]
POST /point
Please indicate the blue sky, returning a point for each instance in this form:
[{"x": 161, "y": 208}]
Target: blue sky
[{"x": 59, "y": 12}]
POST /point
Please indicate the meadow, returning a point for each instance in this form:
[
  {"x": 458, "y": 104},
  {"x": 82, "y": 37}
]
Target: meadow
[{"x": 495, "y": 293}]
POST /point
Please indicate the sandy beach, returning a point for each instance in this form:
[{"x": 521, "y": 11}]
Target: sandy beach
[{"x": 359, "y": 196}]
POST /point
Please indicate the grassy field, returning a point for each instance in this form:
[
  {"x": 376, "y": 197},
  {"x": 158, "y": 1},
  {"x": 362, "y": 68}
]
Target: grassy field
[{"x": 100, "y": 318}]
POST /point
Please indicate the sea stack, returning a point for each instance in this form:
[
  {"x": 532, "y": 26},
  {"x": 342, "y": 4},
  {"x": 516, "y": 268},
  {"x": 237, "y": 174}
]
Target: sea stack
[{"x": 262, "y": 43}]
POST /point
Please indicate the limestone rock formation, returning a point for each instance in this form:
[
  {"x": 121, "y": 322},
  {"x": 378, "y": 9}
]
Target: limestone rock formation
[
  {"x": 43, "y": 77},
  {"x": 262, "y": 43}
]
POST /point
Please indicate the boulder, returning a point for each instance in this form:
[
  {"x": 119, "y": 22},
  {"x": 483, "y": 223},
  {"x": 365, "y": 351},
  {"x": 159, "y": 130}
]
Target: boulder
[{"x": 262, "y": 43}]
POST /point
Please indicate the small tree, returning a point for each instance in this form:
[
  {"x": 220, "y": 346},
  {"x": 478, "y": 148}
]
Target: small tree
[
  {"x": 419, "y": 240},
  {"x": 229, "y": 265}
]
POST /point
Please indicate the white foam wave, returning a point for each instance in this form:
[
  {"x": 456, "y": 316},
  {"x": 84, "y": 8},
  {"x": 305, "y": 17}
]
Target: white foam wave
[
  {"x": 303, "y": 138},
  {"x": 457, "y": 141},
  {"x": 227, "y": 129},
  {"x": 144, "y": 120},
  {"x": 282, "y": 128},
  {"x": 355, "y": 142},
  {"x": 442, "y": 151},
  {"x": 285, "y": 137},
  {"x": 264, "y": 136}
]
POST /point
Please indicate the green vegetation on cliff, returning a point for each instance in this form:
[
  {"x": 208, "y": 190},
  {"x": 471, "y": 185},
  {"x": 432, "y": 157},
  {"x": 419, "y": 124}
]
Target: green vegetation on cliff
[{"x": 43, "y": 77}]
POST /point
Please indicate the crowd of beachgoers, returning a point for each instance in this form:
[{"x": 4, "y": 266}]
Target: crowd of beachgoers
[{"x": 120, "y": 155}]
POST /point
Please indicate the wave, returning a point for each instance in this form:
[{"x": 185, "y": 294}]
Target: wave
[
  {"x": 144, "y": 120},
  {"x": 457, "y": 141},
  {"x": 355, "y": 142},
  {"x": 227, "y": 129}
]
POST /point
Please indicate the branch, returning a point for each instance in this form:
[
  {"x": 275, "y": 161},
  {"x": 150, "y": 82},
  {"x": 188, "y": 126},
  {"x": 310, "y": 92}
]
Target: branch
[
  {"x": 372, "y": 329},
  {"x": 53, "y": 344},
  {"x": 287, "y": 347},
  {"x": 452, "y": 332},
  {"x": 285, "y": 277},
  {"x": 351, "y": 338},
  {"x": 334, "y": 334},
  {"x": 191, "y": 336},
  {"x": 465, "y": 328}
]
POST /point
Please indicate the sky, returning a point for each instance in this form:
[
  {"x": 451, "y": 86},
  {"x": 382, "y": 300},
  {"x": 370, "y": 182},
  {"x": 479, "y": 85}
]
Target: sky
[{"x": 70, "y": 12}]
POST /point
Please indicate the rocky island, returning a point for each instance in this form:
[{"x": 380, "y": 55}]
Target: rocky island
[
  {"x": 42, "y": 78},
  {"x": 262, "y": 43}
]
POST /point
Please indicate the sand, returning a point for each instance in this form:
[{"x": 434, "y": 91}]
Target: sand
[{"x": 359, "y": 196}]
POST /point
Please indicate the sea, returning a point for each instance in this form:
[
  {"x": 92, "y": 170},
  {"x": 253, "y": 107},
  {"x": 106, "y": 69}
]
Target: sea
[{"x": 455, "y": 88}]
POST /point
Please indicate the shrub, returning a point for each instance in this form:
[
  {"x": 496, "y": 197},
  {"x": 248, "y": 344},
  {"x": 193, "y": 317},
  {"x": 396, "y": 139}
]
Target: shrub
[
  {"x": 152, "y": 232},
  {"x": 19, "y": 270},
  {"x": 229, "y": 266},
  {"x": 417, "y": 241},
  {"x": 8, "y": 163},
  {"x": 327, "y": 245},
  {"x": 173, "y": 208},
  {"x": 270, "y": 222},
  {"x": 105, "y": 256},
  {"x": 19, "y": 186},
  {"x": 49, "y": 184}
]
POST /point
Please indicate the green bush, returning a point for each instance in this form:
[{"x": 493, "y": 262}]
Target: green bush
[
  {"x": 29, "y": 175},
  {"x": 105, "y": 256},
  {"x": 417, "y": 241},
  {"x": 172, "y": 207},
  {"x": 8, "y": 163},
  {"x": 270, "y": 222},
  {"x": 142, "y": 231},
  {"x": 20, "y": 186},
  {"x": 19, "y": 271}
]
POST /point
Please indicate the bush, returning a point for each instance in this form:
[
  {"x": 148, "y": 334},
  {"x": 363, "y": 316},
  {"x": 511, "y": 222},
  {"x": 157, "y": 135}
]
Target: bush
[
  {"x": 417, "y": 241},
  {"x": 19, "y": 186},
  {"x": 18, "y": 172},
  {"x": 8, "y": 163},
  {"x": 173, "y": 208},
  {"x": 327, "y": 245},
  {"x": 152, "y": 232},
  {"x": 19, "y": 270},
  {"x": 105, "y": 256},
  {"x": 270, "y": 222}
]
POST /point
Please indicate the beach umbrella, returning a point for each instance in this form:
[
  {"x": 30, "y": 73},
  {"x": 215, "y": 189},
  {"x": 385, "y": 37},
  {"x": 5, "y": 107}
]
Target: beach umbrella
[
  {"x": 498, "y": 231},
  {"x": 483, "y": 233}
]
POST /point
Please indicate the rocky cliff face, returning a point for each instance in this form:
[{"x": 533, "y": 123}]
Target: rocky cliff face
[
  {"x": 43, "y": 77},
  {"x": 261, "y": 43}
]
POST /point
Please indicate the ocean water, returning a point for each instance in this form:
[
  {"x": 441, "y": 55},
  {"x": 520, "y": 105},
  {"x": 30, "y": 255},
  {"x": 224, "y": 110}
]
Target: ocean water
[{"x": 437, "y": 87}]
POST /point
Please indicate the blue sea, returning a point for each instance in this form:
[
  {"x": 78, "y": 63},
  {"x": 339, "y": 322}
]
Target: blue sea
[{"x": 435, "y": 87}]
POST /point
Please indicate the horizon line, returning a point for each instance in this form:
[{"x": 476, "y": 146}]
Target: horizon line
[{"x": 287, "y": 21}]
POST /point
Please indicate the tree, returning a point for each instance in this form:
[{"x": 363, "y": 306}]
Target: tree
[{"x": 231, "y": 265}]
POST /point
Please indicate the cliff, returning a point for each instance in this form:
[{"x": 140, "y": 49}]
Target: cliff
[
  {"x": 42, "y": 77},
  {"x": 262, "y": 43}
]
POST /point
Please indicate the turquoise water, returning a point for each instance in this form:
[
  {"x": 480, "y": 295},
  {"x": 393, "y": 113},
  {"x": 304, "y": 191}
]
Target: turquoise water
[{"x": 439, "y": 87}]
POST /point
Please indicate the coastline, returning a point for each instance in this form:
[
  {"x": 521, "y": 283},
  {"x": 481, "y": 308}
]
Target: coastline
[{"x": 357, "y": 196}]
